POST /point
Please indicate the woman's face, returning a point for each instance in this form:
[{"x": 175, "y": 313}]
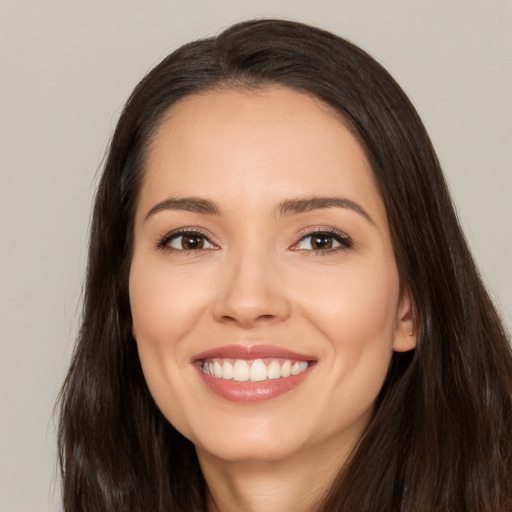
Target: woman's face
[{"x": 263, "y": 286}]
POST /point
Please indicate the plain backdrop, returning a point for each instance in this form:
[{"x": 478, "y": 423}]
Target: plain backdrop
[{"x": 66, "y": 68}]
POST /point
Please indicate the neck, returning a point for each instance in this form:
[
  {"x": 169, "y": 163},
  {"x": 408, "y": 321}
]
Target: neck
[{"x": 292, "y": 485}]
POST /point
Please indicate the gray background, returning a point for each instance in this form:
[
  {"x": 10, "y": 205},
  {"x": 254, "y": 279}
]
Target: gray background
[{"x": 67, "y": 66}]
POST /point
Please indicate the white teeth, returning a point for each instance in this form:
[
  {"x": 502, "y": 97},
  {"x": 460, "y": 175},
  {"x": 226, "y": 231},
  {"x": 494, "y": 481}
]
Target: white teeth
[
  {"x": 274, "y": 370},
  {"x": 298, "y": 367},
  {"x": 258, "y": 371},
  {"x": 227, "y": 370},
  {"x": 286, "y": 369},
  {"x": 217, "y": 368},
  {"x": 240, "y": 370}
]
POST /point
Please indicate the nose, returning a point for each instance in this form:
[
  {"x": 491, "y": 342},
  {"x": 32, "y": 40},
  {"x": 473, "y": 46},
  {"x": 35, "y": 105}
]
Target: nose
[{"x": 251, "y": 293}]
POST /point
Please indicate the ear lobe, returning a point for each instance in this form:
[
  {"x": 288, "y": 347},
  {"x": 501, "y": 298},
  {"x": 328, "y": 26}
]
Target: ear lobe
[{"x": 405, "y": 335}]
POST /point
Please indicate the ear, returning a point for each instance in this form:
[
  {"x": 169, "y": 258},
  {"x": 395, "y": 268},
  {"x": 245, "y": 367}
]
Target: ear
[{"x": 405, "y": 334}]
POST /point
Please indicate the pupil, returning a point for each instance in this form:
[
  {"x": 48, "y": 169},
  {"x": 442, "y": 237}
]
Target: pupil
[
  {"x": 192, "y": 242},
  {"x": 322, "y": 242}
]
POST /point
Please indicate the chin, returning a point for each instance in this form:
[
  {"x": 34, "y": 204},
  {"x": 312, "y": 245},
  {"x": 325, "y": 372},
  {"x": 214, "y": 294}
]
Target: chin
[{"x": 248, "y": 447}]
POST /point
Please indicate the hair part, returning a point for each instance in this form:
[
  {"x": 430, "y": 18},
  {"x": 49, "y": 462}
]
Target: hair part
[{"x": 441, "y": 435}]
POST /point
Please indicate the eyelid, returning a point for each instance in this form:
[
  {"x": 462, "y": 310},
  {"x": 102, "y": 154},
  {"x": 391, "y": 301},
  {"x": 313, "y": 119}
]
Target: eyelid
[
  {"x": 345, "y": 240},
  {"x": 192, "y": 230}
]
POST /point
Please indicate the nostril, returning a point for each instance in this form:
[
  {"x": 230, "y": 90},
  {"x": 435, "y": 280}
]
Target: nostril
[
  {"x": 250, "y": 301},
  {"x": 247, "y": 320}
]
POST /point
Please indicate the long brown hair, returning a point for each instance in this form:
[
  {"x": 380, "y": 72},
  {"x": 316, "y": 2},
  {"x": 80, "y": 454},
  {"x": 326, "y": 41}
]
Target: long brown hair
[{"x": 441, "y": 435}]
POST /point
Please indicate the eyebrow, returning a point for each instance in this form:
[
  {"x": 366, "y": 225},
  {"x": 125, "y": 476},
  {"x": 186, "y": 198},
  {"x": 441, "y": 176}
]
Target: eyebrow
[
  {"x": 188, "y": 204},
  {"x": 287, "y": 207},
  {"x": 301, "y": 205}
]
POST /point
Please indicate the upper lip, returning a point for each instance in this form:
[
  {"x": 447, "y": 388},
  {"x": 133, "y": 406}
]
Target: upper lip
[{"x": 251, "y": 352}]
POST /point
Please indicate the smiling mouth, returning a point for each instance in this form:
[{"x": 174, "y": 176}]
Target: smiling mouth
[
  {"x": 258, "y": 370},
  {"x": 252, "y": 374}
]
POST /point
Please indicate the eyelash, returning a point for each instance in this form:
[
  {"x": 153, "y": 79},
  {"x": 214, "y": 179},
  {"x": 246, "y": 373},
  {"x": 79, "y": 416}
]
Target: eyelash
[
  {"x": 339, "y": 236},
  {"x": 193, "y": 232}
]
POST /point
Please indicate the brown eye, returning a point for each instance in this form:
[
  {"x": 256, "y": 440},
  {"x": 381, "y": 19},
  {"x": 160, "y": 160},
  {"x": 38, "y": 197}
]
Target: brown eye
[
  {"x": 323, "y": 241},
  {"x": 188, "y": 242}
]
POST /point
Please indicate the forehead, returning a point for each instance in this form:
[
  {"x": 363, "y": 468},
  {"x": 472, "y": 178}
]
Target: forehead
[{"x": 256, "y": 146}]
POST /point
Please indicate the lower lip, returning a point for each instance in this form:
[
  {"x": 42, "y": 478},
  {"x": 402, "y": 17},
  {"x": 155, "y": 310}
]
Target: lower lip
[{"x": 252, "y": 392}]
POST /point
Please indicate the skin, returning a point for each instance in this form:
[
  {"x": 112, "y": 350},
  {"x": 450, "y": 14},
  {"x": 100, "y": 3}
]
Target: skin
[{"x": 259, "y": 280}]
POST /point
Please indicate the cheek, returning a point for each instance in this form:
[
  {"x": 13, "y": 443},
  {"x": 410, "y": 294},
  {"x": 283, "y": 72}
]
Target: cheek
[
  {"x": 355, "y": 307},
  {"x": 164, "y": 309},
  {"x": 152, "y": 321},
  {"x": 356, "y": 315},
  {"x": 164, "y": 305},
  {"x": 149, "y": 299}
]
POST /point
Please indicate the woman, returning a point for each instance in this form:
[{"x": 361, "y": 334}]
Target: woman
[{"x": 281, "y": 312}]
